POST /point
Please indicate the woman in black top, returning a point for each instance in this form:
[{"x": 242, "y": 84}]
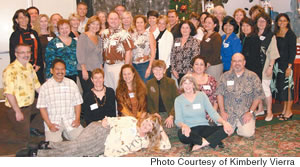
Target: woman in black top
[
  {"x": 251, "y": 46},
  {"x": 283, "y": 69},
  {"x": 24, "y": 34},
  {"x": 100, "y": 101}
]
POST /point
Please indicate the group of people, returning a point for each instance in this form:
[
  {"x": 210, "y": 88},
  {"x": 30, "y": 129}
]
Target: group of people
[{"x": 144, "y": 77}]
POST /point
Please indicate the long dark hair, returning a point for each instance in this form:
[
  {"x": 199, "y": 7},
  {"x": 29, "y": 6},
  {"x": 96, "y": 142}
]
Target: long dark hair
[
  {"x": 16, "y": 26},
  {"x": 268, "y": 20},
  {"x": 249, "y": 21},
  {"x": 276, "y": 29}
]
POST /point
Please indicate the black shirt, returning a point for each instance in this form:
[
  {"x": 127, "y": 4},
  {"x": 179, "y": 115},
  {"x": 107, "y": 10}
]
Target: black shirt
[{"x": 106, "y": 106}]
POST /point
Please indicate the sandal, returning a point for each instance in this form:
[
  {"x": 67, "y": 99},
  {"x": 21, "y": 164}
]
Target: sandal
[
  {"x": 280, "y": 116},
  {"x": 286, "y": 118}
]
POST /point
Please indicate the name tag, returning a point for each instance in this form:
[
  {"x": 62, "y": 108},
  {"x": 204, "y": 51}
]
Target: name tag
[
  {"x": 59, "y": 45},
  {"x": 207, "y": 40},
  {"x": 177, "y": 44},
  {"x": 206, "y": 87},
  {"x": 131, "y": 95},
  {"x": 226, "y": 45},
  {"x": 230, "y": 83},
  {"x": 64, "y": 88},
  {"x": 76, "y": 38},
  {"x": 49, "y": 38},
  {"x": 262, "y": 38},
  {"x": 113, "y": 43},
  {"x": 32, "y": 36},
  {"x": 196, "y": 106},
  {"x": 93, "y": 106}
]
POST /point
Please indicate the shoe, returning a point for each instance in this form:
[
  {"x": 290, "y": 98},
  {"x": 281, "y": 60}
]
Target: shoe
[
  {"x": 190, "y": 148},
  {"x": 260, "y": 113},
  {"x": 27, "y": 153},
  {"x": 286, "y": 118},
  {"x": 43, "y": 145},
  {"x": 269, "y": 118},
  {"x": 280, "y": 115},
  {"x": 221, "y": 145},
  {"x": 36, "y": 132}
]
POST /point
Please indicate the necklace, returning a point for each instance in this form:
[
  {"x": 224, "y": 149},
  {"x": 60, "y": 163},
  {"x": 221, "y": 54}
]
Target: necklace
[
  {"x": 100, "y": 89},
  {"x": 96, "y": 99}
]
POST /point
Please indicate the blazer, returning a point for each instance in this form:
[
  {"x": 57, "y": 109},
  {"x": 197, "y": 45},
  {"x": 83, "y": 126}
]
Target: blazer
[
  {"x": 165, "y": 47},
  {"x": 168, "y": 91}
]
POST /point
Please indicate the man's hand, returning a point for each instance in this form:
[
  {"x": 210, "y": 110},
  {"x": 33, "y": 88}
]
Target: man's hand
[
  {"x": 53, "y": 127},
  {"x": 19, "y": 116},
  {"x": 75, "y": 123},
  {"x": 247, "y": 117}
]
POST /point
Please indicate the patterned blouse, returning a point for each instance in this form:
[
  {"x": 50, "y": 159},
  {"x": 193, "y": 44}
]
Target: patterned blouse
[
  {"x": 181, "y": 56},
  {"x": 57, "y": 49},
  {"x": 124, "y": 137},
  {"x": 141, "y": 52},
  {"x": 209, "y": 88}
]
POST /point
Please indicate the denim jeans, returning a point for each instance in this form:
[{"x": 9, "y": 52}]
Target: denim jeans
[{"x": 141, "y": 69}]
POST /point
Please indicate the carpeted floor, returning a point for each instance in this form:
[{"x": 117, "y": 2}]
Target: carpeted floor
[{"x": 276, "y": 139}]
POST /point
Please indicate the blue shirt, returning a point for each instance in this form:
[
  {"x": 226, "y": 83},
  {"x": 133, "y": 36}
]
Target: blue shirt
[
  {"x": 194, "y": 113},
  {"x": 230, "y": 46},
  {"x": 57, "y": 49}
]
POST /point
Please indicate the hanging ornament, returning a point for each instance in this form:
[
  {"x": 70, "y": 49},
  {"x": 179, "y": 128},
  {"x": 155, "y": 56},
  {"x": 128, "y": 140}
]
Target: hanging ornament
[{"x": 183, "y": 8}]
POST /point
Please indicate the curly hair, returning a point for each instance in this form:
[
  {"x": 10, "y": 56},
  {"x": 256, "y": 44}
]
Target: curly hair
[
  {"x": 154, "y": 135},
  {"x": 139, "y": 90}
]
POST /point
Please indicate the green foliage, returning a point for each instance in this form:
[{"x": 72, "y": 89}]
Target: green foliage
[{"x": 182, "y": 7}]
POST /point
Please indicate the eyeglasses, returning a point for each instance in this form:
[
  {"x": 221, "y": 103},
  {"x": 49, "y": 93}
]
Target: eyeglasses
[{"x": 22, "y": 53}]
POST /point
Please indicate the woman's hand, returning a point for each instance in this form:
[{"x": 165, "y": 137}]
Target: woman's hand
[
  {"x": 104, "y": 122},
  {"x": 288, "y": 72},
  {"x": 269, "y": 71},
  {"x": 53, "y": 127},
  {"x": 85, "y": 75},
  {"x": 186, "y": 130},
  {"x": 169, "y": 121},
  {"x": 227, "y": 128},
  {"x": 148, "y": 72},
  {"x": 175, "y": 74}
]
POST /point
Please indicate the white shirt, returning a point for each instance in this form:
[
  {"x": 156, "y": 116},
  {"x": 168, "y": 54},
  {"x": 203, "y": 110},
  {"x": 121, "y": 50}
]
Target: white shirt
[
  {"x": 82, "y": 25},
  {"x": 59, "y": 98}
]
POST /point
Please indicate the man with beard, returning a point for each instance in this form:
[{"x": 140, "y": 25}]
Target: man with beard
[
  {"x": 20, "y": 83},
  {"x": 60, "y": 105},
  {"x": 238, "y": 93}
]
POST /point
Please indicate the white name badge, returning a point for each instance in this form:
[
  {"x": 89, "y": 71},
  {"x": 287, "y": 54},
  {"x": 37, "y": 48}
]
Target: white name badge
[
  {"x": 230, "y": 83},
  {"x": 196, "y": 106},
  {"x": 49, "y": 38},
  {"x": 262, "y": 38},
  {"x": 76, "y": 38},
  {"x": 93, "y": 106},
  {"x": 177, "y": 44},
  {"x": 207, "y": 40},
  {"x": 206, "y": 87},
  {"x": 32, "y": 36},
  {"x": 59, "y": 45},
  {"x": 226, "y": 45},
  {"x": 64, "y": 88},
  {"x": 131, "y": 95}
]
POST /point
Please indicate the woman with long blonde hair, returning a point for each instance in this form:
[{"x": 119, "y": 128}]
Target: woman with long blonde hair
[{"x": 113, "y": 136}]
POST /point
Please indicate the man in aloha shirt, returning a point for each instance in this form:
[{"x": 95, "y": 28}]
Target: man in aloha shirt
[
  {"x": 239, "y": 92},
  {"x": 117, "y": 45}
]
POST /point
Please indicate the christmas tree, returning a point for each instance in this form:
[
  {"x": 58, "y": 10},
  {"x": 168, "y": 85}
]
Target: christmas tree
[{"x": 182, "y": 7}]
